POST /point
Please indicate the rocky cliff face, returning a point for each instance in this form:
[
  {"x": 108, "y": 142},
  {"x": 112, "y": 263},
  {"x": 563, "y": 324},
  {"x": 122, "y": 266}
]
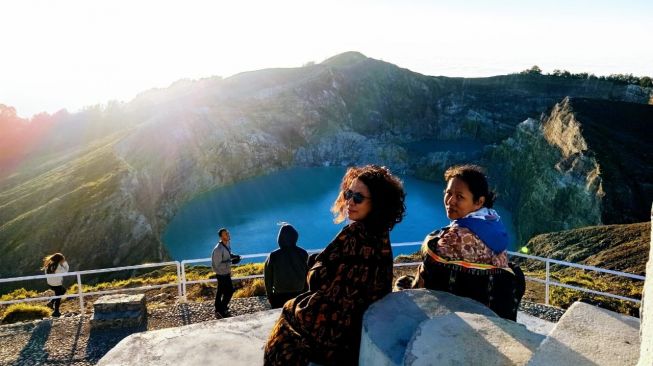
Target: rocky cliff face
[
  {"x": 101, "y": 185},
  {"x": 576, "y": 168},
  {"x": 385, "y": 109}
]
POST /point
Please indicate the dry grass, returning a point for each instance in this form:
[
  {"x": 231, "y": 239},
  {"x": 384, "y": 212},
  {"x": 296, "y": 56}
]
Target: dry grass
[
  {"x": 128, "y": 283},
  {"x": 18, "y": 294},
  {"x": 248, "y": 269},
  {"x": 251, "y": 288},
  {"x": 563, "y": 297}
]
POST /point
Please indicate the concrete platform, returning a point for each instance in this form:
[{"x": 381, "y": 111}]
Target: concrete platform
[
  {"x": 646, "y": 310},
  {"x": 590, "y": 336},
  {"x": 232, "y": 341},
  {"x": 471, "y": 339},
  {"x": 240, "y": 340}
]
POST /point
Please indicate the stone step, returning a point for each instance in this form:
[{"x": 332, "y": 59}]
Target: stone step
[
  {"x": 448, "y": 339},
  {"x": 589, "y": 335},
  {"x": 117, "y": 319},
  {"x": 119, "y": 303}
]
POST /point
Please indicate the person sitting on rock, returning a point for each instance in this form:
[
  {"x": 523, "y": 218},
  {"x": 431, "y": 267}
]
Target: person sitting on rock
[
  {"x": 285, "y": 268},
  {"x": 55, "y": 263},
  {"x": 323, "y": 325},
  {"x": 468, "y": 258}
]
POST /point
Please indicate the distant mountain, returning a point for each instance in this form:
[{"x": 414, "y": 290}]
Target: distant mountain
[{"x": 102, "y": 184}]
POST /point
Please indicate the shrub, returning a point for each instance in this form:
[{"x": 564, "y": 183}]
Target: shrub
[
  {"x": 253, "y": 288},
  {"x": 23, "y": 312},
  {"x": 18, "y": 294}
]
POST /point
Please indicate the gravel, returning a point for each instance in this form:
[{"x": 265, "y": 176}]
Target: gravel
[
  {"x": 541, "y": 311},
  {"x": 69, "y": 340}
]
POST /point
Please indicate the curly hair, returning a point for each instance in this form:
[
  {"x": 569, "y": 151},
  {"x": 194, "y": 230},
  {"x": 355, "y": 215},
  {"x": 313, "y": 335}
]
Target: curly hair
[
  {"x": 386, "y": 191},
  {"x": 475, "y": 178},
  {"x": 338, "y": 208}
]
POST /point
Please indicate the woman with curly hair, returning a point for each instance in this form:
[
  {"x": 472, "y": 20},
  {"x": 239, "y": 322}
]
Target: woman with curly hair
[{"x": 323, "y": 325}]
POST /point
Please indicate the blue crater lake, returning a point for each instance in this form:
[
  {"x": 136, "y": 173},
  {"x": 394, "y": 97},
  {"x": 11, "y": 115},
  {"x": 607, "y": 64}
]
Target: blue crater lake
[{"x": 252, "y": 209}]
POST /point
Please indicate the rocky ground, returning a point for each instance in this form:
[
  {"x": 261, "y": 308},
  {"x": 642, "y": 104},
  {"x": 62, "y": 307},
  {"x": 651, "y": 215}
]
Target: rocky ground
[{"x": 69, "y": 340}]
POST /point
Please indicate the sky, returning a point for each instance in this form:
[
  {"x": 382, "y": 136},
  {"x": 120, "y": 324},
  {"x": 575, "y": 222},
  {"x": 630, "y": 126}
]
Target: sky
[{"x": 74, "y": 53}]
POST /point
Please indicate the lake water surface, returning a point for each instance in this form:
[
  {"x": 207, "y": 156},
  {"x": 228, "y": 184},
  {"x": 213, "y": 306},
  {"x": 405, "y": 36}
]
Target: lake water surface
[{"x": 252, "y": 209}]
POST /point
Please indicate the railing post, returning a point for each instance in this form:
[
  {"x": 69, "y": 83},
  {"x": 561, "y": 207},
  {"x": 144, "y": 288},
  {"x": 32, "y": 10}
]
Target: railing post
[
  {"x": 81, "y": 293},
  {"x": 546, "y": 284},
  {"x": 179, "y": 279},
  {"x": 183, "y": 279}
]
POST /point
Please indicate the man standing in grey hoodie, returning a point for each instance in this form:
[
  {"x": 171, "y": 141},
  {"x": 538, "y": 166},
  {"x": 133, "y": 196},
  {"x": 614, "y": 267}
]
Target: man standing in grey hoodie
[
  {"x": 285, "y": 268},
  {"x": 221, "y": 260}
]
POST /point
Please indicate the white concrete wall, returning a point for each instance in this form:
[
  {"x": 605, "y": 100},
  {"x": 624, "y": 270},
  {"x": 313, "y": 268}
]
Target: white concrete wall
[{"x": 646, "y": 311}]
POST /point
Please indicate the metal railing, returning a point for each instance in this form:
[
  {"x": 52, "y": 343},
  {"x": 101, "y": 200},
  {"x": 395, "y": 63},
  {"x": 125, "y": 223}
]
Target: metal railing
[
  {"x": 80, "y": 290},
  {"x": 182, "y": 281},
  {"x": 548, "y": 282},
  {"x": 185, "y": 281}
]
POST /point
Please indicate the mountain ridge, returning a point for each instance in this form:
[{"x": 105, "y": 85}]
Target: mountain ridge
[{"x": 171, "y": 144}]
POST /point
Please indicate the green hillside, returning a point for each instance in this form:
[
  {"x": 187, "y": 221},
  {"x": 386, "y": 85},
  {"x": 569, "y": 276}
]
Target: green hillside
[{"x": 623, "y": 248}]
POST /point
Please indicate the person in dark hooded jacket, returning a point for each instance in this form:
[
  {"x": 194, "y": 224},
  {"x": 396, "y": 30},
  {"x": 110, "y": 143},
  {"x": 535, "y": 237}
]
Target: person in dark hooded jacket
[{"x": 285, "y": 268}]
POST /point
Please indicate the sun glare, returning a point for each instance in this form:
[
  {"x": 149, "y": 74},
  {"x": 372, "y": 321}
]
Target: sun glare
[{"x": 77, "y": 53}]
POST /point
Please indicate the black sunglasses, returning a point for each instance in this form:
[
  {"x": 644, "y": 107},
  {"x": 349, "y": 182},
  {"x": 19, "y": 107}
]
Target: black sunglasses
[{"x": 357, "y": 197}]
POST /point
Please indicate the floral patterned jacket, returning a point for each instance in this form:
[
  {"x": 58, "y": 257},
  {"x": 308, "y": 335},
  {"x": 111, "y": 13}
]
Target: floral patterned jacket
[{"x": 460, "y": 243}]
